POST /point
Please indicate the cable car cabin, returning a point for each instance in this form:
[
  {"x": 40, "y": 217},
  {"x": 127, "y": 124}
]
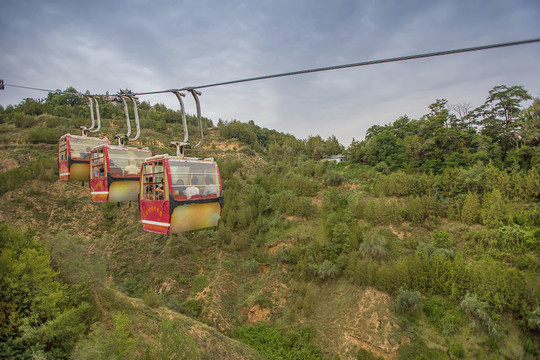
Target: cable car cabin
[
  {"x": 179, "y": 195},
  {"x": 74, "y": 156},
  {"x": 115, "y": 171}
]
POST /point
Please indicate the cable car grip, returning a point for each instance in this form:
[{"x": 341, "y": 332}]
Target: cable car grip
[
  {"x": 84, "y": 129},
  {"x": 196, "y": 95}
]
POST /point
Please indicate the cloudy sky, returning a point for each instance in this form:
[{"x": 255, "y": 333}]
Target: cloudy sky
[{"x": 162, "y": 44}]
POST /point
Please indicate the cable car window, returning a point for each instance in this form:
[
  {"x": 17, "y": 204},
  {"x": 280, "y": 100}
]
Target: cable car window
[
  {"x": 80, "y": 147},
  {"x": 194, "y": 178},
  {"x": 97, "y": 164},
  {"x": 127, "y": 162},
  {"x": 154, "y": 182},
  {"x": 62, "y": 150}
]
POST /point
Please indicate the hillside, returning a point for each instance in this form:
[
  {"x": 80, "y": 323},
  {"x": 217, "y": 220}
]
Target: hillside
[{"x": 413, "y": 248}]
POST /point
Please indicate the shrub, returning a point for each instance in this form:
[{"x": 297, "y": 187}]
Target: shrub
[
  {"x": 300, "y": 185},
  {"x": 533, "y": 320},
  {"x": 382, "y": 167},
  {"x": 477, "y": 309},
  {"x": 23, "y": 121},
  {"x": 151, "y": 299},
  {"x": 327, "y": 270},
  {"x": 123, "y": 344},
  {"x": 408, "y": 301},
  {"x": 251, "y": 266},
  {"x": 53, "y": 121},
  {"x": 532, "y": 184},
  {"x": 286, "y": 202},
  {"x": 333, "y": 178},
  {"x": 43, "y": 135},
  {"x": 421, "y": 184},
  {"x": 45, "y": 168},
  {"x": 173, "y": 342},
  {"x": 192, "y": 308},
  {"x": 418, "y": 209},
  {"x": 395, "y": 184},
  {"x": 380, "y": 211},
  {"x": 135, "y": 286},
  {"x": 228, "y": 167},
  {"x": 471, "y": 211},
  {"x": 495, "y": 211},
  {"x": 275, "y": 344},
  {"x": 444, "y": 314},
  {"x": 417, "y": 349},
  {"x": 364, "y": 354},
  {"x": 199, "y": 284},
  {"x": 457, "y": 350},
  {"x": 442, "y": 239},
  {"x": 375, "y": 246}
]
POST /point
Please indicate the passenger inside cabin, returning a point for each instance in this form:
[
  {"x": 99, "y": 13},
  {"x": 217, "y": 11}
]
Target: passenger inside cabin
[
  {"x": 86, "y": 155},
  {"x": 179, "y": 188},
  {"x": 131, "y": 168},
  {"x": 193, "y": 189},
  {"x": 210, "y": 188},
  {"x": 159, "y": 192}
]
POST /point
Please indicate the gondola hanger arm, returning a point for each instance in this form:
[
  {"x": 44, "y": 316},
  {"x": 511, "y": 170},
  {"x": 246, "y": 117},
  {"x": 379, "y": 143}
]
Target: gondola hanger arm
[
  {"x": 196, "y": 95},
  {"x": 85, "y": 129},
  {"x": 181, "y": 145}
]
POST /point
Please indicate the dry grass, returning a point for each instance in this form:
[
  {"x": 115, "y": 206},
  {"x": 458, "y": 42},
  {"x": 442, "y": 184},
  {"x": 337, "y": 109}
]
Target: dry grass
[{"x": 348, "y": 318}]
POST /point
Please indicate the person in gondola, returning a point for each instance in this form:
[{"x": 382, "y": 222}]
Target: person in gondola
[
  {"x": 159, "y": 193},
  {"x": 210, "y": 188},
  {"x": 86, "y": 155},
  {"x": 131, "y": 169},
  {"x": 179, "y": 188},
  {"x": 193, "y": 189}
]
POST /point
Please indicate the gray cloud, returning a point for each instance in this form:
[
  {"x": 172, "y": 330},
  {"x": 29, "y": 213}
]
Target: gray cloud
[{"x": 103, "y": 46}]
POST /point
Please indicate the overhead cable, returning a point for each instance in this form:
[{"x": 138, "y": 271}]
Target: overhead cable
[{"x": 327, "y": 68}]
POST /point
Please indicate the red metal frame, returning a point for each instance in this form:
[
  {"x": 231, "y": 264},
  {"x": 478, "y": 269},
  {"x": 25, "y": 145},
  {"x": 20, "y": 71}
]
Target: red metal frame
[
  {"x": 157, "y": 214},
  {"x": 70, "y": 167},
  {"x": 108, "y": 185}
]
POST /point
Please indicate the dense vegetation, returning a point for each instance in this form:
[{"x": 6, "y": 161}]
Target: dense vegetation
[{"x": 442, "y": 213}]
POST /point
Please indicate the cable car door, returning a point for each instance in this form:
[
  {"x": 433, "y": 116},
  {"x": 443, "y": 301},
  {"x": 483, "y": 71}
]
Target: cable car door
[
  {"x": 98, "y": 176},
  {"x": 154, "y": 197},
  {"x": 63, "y": 164}
]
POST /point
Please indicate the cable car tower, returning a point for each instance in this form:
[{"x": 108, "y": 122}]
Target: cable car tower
[{"x": 179, "y": 193}]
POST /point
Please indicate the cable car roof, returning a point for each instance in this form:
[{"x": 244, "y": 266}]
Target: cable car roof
[
  {"x": 120, "y": 147},
  {"x": 184, "y": 159},
  {"x": 83, "y": 137}
]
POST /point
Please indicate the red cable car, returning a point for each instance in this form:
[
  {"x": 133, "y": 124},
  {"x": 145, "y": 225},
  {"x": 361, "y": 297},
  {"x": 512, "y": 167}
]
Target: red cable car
[
  {"x": 74, "y": 156},
  {"x": 74, "y": 151},
  {"x": 179, "y": 194},
  {"x": 114, "y": 172}
]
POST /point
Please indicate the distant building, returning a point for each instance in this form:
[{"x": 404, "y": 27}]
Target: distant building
[{"x": 337, "y": 158}]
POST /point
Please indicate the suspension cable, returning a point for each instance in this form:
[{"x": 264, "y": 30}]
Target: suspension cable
[{"x": 308, "y": 71}]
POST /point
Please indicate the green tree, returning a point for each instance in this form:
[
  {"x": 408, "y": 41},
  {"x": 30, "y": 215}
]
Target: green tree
[
  {"x": 529, "y": 124},
  {"x": 471, "y": 211},
  {"x": 494, "y": 209},
  {"x": 37, "y": 316},
  {"x": 500, "y": 113},
  {"x": 123, "y": 344},
  {"x": 70, "y": 97}
]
